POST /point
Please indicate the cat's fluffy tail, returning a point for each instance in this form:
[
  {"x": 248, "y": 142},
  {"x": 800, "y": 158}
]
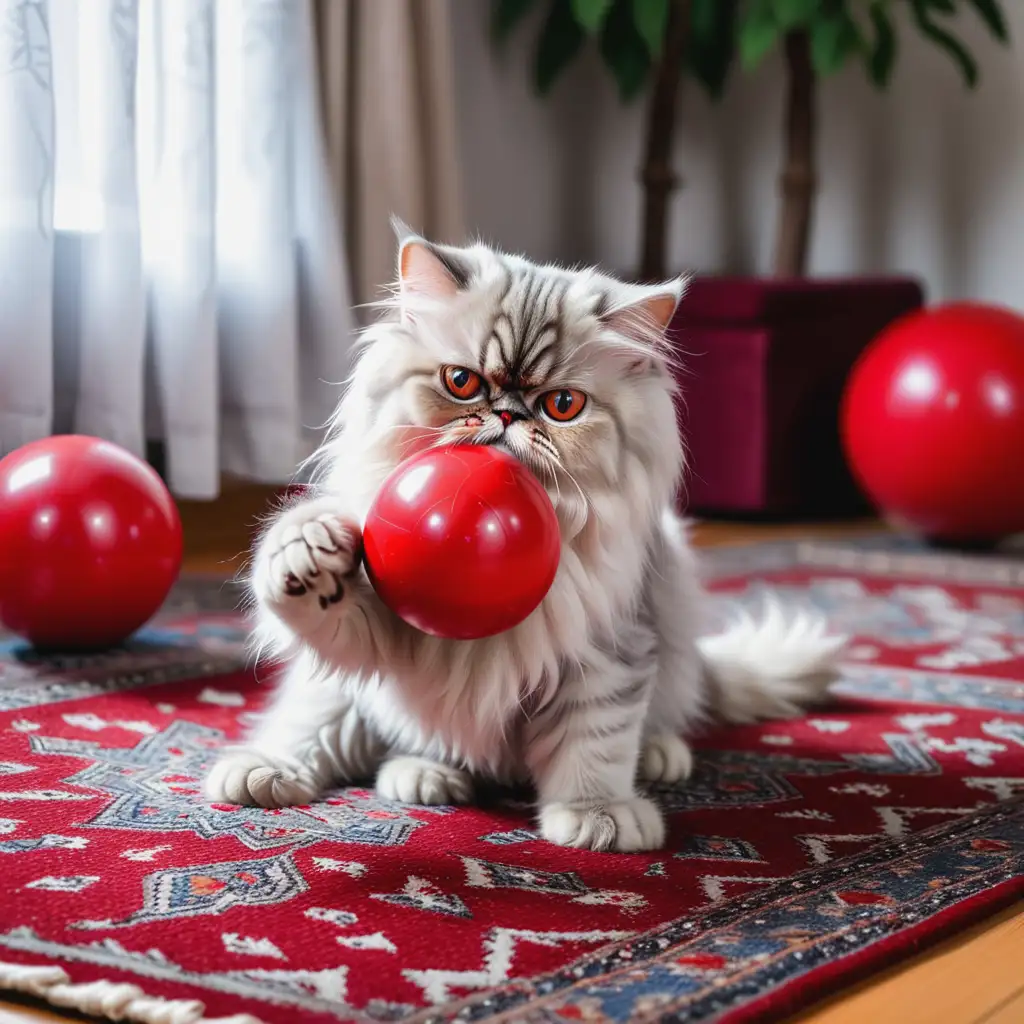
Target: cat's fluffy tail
[{"x": 772, "y": 666}]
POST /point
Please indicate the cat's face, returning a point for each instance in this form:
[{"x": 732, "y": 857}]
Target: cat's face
[{"x": 564, "y": 370}]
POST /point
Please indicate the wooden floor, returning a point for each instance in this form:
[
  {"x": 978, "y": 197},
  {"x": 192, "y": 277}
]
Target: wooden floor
[{"x": 976, "y": 977}]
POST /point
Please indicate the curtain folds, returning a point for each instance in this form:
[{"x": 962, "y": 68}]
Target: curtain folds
[
  {"x": 170, "y": 260},
  {"x": 388, "y": 90},
  {"x": 193, "y": 193}
]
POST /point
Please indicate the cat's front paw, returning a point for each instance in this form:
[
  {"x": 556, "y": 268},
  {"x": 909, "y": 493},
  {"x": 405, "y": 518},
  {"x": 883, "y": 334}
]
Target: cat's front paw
[
  {"x": 304, "y": 563},
  {"x": 250, "y": 777},
  {"x": 666, "y": 759},
  {"x": 417, "y": 780},
  {"x": 625, "y": 826}
]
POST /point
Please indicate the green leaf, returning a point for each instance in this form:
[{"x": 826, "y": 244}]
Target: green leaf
[
  {"x": 833, "y": 40},
  {"x": 790, "y": 14},
  {"x": 758, "y": 33},
  {"x": 712, "y": 44},
  {"x": 560, "y": 40},
  {"x": 506, "y": 14},
  {"x": 992, "y": 14},
  {"x": 957, "y": 52},
  {"x": 703, "y": 16},
  {"x": 624, "y": 51},
  {"x": 651, "y": 18},
  {"x": 882, "y": 55},
  {"x": 591, "y": 14}
]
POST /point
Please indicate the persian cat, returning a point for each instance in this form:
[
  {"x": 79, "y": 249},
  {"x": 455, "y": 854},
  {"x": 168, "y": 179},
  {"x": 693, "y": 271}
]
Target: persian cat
[{"x": 594, "y": 694}]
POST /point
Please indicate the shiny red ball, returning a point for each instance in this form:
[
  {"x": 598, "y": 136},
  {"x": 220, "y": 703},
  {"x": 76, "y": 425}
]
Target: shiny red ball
[
  {"x": 933, "y": 422},
  {"x": 90, "y": 543},
  {"x": 462, "y": 542}
]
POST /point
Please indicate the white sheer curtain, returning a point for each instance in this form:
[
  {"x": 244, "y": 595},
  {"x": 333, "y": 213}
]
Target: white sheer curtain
[{"x": 170, "y": 262}]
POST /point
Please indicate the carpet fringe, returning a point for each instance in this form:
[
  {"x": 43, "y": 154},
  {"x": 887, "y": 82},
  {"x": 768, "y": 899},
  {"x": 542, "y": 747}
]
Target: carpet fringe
[{"x": 113, "y": 1000}]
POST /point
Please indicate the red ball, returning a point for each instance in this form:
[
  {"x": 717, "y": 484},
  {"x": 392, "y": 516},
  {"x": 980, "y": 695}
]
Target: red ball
[
  {"x": 933, "y": 422},
  {"x": 462, "y": 542},
  {"x": 90, "y": 543}
]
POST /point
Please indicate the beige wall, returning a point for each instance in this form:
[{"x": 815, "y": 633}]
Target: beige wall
[{"x": 928, "y": 178}]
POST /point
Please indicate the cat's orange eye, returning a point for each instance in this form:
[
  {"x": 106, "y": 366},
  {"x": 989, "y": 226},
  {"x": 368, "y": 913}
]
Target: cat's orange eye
[
  {"x": 564, "y": 405},
  {"x": 461, "y": 383}
]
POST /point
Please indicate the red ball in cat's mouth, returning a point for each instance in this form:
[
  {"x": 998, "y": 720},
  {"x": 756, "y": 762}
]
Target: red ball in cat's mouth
[{"x": 462, "y": 542}]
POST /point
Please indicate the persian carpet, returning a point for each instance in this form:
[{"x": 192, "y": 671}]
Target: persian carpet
[{"x": 802, "y": 854}]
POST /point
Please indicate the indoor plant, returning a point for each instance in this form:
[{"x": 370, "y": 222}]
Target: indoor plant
[
  {"x": 760, "y": 411},
  {"x": 646, "y": 45}
]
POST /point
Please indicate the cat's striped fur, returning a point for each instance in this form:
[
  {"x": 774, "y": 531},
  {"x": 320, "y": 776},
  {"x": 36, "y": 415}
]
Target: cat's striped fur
[{"x": 594, "y": 691}]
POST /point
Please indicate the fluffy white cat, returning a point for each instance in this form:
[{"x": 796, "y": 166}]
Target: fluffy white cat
[{"x": 595, "y": 692}]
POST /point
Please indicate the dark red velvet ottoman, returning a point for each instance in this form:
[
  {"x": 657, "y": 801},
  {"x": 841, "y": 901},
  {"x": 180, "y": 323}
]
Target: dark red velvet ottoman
[{"x": 763, "y": 364}]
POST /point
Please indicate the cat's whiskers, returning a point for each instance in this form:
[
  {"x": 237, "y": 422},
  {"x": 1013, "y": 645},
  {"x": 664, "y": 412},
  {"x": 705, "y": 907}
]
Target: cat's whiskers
[
  {"x": 450, "y": 437},
  {"x": 551, "y": 464},
  {"x": 550, "y": 473},
  {"x": 560, "y": 467},
  {"x": 415, "y": 426},
  {"x": 418, "y": 432}
]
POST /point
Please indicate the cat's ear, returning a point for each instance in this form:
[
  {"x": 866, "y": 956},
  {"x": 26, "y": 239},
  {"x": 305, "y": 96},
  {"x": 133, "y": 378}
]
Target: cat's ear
[
  {"x": 425, "y": 270},
  {"x": 646, "y": 314},
  {"x": 643, "y": 318}
]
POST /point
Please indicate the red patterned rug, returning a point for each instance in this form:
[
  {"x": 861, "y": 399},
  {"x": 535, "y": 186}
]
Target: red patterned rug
[{"x": 802, "y": 854}]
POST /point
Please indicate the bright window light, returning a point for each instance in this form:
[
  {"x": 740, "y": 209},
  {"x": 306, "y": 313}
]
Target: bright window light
[{"x": 82, "y": 68}]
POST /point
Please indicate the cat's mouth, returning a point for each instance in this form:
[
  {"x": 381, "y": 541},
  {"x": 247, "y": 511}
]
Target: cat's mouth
[
  {"x": 519, "y": 451},
  {"x": 514, "y": 443},
  {"x": 540, "y": 466},
  {"x": 501, "y": 443}
]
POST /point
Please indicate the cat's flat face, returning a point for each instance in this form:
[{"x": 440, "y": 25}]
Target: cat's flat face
[
  {"x": 520, "y": 371},
  {"x": 559, "y": 368}
]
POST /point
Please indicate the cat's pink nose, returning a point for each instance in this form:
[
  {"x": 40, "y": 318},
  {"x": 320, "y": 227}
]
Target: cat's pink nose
[{"x": 506, "y": 418}]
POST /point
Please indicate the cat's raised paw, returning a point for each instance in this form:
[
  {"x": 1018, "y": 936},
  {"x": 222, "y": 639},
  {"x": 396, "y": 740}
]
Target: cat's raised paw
[
  {"x": 417, "y": 780},
  {"x": 665, "y": 758},
  {"x": 626, "y": 826},
  {"x": 251, "y": 778},
  {"x": 305, "y": 558}
]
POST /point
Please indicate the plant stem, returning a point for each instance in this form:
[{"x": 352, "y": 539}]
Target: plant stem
[
  {"x": 656, "y": 174},
  {"x": 798, "y": 180}
]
